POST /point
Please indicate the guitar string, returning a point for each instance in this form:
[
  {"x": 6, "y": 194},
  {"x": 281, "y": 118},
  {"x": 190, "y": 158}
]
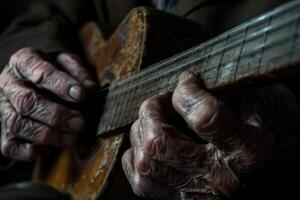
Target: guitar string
[{"x": 214, "y": 53}]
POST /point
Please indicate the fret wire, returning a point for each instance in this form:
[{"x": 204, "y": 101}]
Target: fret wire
[
  {"x": 123, "y": 108},
  {"x": 263, "y": 47},
  {"x": 241, "y": 27},
  {"x": 215, "y": 52},
  {"x": 295, "y": 39},
  {"x": 114, "y": 109},
  {"x": 129, "y": 102},
  {"x": 119, "y": 106},
  {"x": 220, "y": 65}
]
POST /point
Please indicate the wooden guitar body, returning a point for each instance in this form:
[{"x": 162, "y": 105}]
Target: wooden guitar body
[{"x": 145, "y": 37}]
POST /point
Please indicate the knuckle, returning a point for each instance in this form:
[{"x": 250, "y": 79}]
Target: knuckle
[
  {"x": 149, "y": 104},
  {"x": 153, "y": 143},
  {"x": 12, "y": 122},
  {"x": 204, "y": 113},
  {"x": 41, "y": 71},
  {"x": 19, "y": 56},
  {"x": 6, "y": 149},
  {"x": 142, "y": 164},
  {"x": 25, "y": 102}
]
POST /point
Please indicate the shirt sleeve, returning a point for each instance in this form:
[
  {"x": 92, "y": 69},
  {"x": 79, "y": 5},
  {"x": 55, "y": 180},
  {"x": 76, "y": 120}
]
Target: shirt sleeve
[{"x": 47, "y": 26}]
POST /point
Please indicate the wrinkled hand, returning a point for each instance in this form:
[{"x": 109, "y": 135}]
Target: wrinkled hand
[
  {"x": 29, "y": 119},
  {"x": 163, "y": 162}
]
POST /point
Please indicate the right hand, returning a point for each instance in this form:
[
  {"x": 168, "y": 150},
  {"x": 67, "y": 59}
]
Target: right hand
[{"x": 30, "y": 120}]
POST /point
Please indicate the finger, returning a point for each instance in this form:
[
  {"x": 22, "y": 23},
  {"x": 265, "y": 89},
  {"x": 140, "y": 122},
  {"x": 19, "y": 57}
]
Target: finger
[
  {"x": 150, "y": 168},
  {"x": 72, "y": 65},
  {"x": 163, "y": 142},
  {"x": 12, "y": 148},
  {"x": 28, "y": 103},
  {"x": 160, "y": 107},
  {"x": 135, "y": 137},
  {"x": 159, "y": 172},
  {"x": 140, "y": 185},
  {"x": 29, "y": 66},
  {"x": 209, "y": 117},
  {"x": 26, "y": 129}
]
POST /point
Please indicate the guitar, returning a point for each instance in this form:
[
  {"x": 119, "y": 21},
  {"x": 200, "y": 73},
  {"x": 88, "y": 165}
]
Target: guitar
[{"x": 267, "y": 47}]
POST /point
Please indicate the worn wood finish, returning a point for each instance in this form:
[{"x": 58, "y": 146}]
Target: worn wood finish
[{"x": 145, "y": 37}]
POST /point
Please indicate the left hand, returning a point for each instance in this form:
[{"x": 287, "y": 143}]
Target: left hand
[
  {"x": 31, "y": 119},
  {"x": 164, "y": 162}
]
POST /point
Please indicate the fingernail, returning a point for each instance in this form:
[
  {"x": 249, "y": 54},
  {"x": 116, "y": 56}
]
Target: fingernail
[
  {"x": 185, "y": 75},
  {"x": 67, "y": 139},
  {"x": 90, "y": 84},
  {"x": 76, "y": 92},
  {"x": 76, "y": 123}
]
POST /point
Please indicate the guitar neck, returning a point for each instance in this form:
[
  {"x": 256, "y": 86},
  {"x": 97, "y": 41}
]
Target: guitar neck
[{"x": 260, "y": 47}]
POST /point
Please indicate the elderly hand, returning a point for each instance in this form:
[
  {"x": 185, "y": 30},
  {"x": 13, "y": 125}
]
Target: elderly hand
[
  {"x": 28, "y": 118},
  {"x": 163, "y": 162}
]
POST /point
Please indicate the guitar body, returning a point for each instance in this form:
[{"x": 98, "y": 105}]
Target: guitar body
[{"x": 145, "y": 37}]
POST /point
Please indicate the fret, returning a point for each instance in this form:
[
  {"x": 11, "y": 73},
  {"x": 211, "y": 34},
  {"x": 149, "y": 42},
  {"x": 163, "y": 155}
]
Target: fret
[
  {"x": 129, "y": 104},
  {"x": 235, "y": 76},
  {"x": 277, "y": 50},
  {"x": 120, "y": 107},
  {"x": 296, "y": 32},
  {"x": 262, "y": 51},
  {"x": 230, "y": 58},
  {"x": 251, "y": 61},
  {"x": 297, "y": 45},
  {"x": 104, "y": 118},
  {"x": 205, "y": 66},
  {"x": 240, "y": 53},
  {"x": 220, "y": 66},
  {"x": 116, "y": 111},
  {"x": 123, "y": 106},
  {"x": 111, "y": 113},
  {"x": 214, "y": 61}
]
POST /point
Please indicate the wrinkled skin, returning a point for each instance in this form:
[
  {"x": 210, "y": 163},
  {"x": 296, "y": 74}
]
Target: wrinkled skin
[
  {"x": 29, "y": 120},
  {"x": 163, "y": 163}
]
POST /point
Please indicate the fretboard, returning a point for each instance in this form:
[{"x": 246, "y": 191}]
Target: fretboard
[{"x": 261, "y": 46}]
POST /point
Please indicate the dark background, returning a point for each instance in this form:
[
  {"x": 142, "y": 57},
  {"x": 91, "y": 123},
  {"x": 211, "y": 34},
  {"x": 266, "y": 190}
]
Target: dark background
[{"x": 6, "y": 13}]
